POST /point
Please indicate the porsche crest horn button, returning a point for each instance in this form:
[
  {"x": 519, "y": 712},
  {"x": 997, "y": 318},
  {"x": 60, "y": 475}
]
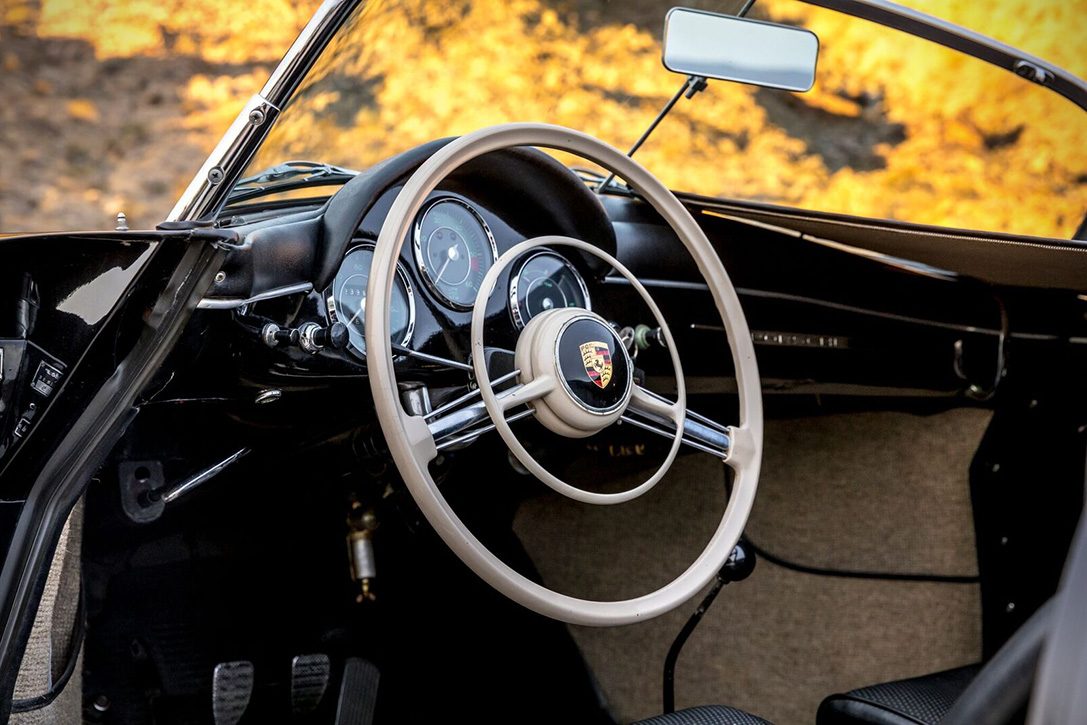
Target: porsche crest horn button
[
  {"x": 592, "y": 364},
  {"x": 596, "y": 357}
]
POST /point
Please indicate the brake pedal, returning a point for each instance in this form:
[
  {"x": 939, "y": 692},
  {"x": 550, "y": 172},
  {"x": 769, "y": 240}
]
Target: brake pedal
[
  {"x": 231, "y": 690},
  {"x": 358, "y": 693},
  {"x": 309, "y": 680}
]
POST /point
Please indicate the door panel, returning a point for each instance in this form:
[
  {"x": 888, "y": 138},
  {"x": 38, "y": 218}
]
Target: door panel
[{"x": 85, "y": 321}]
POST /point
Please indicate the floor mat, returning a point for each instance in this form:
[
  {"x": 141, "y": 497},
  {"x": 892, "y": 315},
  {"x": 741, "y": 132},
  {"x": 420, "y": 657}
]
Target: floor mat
[{"x": 863, "y": 491}]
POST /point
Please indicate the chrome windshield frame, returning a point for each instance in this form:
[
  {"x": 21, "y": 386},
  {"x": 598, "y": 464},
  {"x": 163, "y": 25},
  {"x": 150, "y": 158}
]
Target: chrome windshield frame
[{"x": 207, "y": 191}]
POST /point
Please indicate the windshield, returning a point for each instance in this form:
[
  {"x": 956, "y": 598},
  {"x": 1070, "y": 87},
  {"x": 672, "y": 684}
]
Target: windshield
[{"x": 895, "y": 127}]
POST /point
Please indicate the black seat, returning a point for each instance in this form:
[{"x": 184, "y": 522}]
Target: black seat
[
  {"x": 705, "y": 715},
  {"x": 917, "y": 701}
]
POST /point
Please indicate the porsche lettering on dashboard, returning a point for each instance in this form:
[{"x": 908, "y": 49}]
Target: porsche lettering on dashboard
[{"x": 597, "y": 359}]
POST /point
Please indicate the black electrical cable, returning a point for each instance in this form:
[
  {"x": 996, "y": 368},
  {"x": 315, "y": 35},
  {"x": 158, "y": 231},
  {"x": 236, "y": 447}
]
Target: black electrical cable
[
  {"x": 669, "y": 690},
  {"x": 860, "y": 574}
]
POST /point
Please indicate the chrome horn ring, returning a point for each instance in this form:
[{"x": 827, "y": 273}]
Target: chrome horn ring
[{"x": 546, "y": 385}]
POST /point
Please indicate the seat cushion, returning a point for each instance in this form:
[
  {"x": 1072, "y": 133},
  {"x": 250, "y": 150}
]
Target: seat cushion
[
  {"x": 705, "y": 715},
  {"x": 917, "y": 701}
]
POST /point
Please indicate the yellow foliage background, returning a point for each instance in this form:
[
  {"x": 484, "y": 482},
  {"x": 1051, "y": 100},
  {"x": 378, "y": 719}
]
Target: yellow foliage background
[{"x": 896, "y": 127}]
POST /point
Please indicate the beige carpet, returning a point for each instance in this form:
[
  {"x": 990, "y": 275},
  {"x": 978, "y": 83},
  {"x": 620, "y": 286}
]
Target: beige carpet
[{"x": 883, "y": 491}]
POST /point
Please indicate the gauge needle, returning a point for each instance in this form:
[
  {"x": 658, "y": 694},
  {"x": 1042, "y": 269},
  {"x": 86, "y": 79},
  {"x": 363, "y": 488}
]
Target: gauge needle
[
  {"x": 362, "y": 308},
  {"x": 451, "y": 255}
]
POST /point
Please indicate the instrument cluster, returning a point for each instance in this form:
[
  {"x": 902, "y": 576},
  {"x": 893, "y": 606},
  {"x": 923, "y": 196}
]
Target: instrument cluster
[{"x": 452, "y": 248}]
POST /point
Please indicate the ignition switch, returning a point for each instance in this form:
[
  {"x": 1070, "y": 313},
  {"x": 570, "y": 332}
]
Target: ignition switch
[{"x": 640, "y": 337}]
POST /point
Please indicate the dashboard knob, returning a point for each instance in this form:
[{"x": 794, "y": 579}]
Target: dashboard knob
[
  {"x": 312, "y": 337},
  {"x": 334, "y": 336},
  {"x": 273, "y": 335}
]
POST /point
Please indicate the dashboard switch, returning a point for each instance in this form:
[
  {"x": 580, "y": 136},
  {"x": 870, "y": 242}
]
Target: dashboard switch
[
  {"x": 273, "y": 335},
  {"x": 312, "y": 337}
]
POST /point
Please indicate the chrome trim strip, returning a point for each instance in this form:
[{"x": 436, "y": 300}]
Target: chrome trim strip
[
  {"x": 298, "y": 59},
  {"x": 232, "y": 303},
  {"x": 660, "y": 283}
]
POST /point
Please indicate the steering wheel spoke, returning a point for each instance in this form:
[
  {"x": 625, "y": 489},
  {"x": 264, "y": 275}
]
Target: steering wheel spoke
[
  {"x": 646, "y": 401},
  {"x": 526, "y": 393},
  {"x": 657, "y": 414},
  {"x": 420, "y": 437},
  {"x": 464, "y": 419}
]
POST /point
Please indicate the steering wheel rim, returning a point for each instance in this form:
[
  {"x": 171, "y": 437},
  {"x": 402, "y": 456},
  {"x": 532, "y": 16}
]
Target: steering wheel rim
[{"x": 412, "y": 447}]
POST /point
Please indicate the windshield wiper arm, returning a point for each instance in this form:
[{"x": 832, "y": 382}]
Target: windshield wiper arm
[{"x": 289, "y": 175}]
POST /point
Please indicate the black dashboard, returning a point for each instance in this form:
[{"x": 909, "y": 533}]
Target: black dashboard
[{"x": 827, "y": 317}]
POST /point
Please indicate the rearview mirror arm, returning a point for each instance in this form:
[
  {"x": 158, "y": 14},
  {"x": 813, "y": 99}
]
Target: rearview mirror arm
[{"x": 691, "y": 87}]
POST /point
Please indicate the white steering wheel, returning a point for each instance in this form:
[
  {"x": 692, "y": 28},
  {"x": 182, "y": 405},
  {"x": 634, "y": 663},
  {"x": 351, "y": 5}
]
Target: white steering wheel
[{"x": 573, "y": 373}]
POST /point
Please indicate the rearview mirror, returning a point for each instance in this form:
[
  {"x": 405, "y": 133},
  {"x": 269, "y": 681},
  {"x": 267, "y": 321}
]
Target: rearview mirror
[{"x": 698, "y": 43}]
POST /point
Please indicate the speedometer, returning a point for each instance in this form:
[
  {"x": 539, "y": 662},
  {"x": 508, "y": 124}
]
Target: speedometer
[
  {"x": 454, "y": 249},
  {"x": 347, "y": 301},
  {"x": 545, "y": 281}
]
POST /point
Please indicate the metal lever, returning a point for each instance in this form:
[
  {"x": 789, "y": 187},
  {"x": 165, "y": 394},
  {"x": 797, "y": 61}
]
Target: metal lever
[
  {"x": 176, "y": 492},
  {"x": 739, "y": 566}
]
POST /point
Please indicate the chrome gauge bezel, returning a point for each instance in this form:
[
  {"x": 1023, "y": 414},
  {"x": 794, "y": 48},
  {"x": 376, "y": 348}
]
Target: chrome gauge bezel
[
  {"x": 420, "y": 258},
  {"x": 331, "y": 305},
  {"x": 516, "y": 314}
]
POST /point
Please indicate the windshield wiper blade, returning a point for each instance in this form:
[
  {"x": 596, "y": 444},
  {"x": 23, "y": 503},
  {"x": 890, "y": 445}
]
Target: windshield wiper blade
[{"x": 289, "y": 175}]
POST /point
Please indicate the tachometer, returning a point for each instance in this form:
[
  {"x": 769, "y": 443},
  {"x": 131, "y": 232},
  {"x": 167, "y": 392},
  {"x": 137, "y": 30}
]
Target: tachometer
[
  {"x": 545, "y": 281},
  {"x": 454, "y": 249},
  {"x": 347, "y": 301}
]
